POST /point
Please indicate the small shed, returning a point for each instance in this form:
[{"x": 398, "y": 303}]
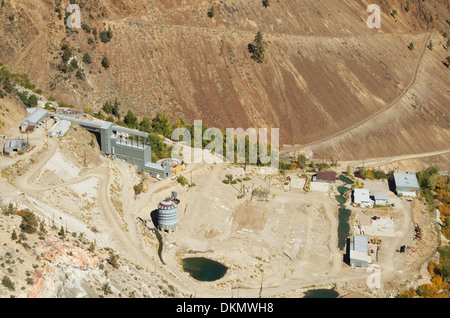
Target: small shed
[
  {"x": 325, "y": 176},
  {"x": 381, "y": 198},
  {"x": 12, "y": 145},
  {"x": 158, "y": 170}
]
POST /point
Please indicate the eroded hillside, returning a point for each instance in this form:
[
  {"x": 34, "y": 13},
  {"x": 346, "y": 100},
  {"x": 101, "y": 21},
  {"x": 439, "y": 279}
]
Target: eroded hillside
[{"x": 325, "y": 71}]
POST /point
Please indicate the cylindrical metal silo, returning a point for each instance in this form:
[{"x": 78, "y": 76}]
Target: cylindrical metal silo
[{"x": 167, "y": 215}]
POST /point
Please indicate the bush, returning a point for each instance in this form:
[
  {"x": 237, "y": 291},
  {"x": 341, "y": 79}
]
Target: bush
[
  {"x": 87, "y": 58},
  {"x": 182, "y": 180},
  {"x": 211, "y": 12},
  {"x": 106, "y": 36},
  {"x": 6, "y": 281},
  {"x": 29, "y": 222},
  {"x": 113, "y": 260},
  {"x": 80, "y": 74},
  {"x": 138, "y": 188},
  {"x": 105, "y": 62}
]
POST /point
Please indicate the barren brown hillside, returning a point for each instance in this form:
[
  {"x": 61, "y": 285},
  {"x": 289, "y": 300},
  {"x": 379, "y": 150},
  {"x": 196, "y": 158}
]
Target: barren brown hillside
[{"x": 325, "y": 71}]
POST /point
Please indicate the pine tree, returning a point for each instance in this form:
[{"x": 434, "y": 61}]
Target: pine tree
[
  {"x": 301, "y": 161},
  {"x": 115, "y": 108},
  {"x": 257, "y": 48},
  {"x": 62, "y": 232},
  {"x": 211, "y": 12},
  {"x": 14, "y": 235},
  {"x": 266, "y": 3},
  {"x": 105, "y": 62}
]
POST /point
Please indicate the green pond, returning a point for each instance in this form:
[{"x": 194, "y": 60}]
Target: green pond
[
  {"x": 342, "y": 189},
  {"x": 341, "y": 199},
  {"x": 321, "y": 293},
  {"x": 344, "y": 227},
  {"x": 345, "y": 179},
  {"x": 204, "y": 269}
]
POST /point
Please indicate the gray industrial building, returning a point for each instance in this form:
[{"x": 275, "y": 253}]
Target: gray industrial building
[
  {"x": 358, "y": 252},
  {"x": 406, "y": 184},
  {"x": 381, "y": 198},
  {"x": 60, "y": 128},
  {"x": 158, "y": 170},
  {"x": 34, "y": 120},
  {"x": 125, "y": 144}
]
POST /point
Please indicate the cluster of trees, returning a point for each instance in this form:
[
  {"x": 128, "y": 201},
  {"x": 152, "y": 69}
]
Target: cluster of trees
[
  {"x": 6, "y": 81},
  {"x": 377, "y": 174},
  {"x": 443, "y": 195},
  {"x": 28, "y": 101},
  {"x": 436, "y": 187},
  {"x": 439, "y": 286}
]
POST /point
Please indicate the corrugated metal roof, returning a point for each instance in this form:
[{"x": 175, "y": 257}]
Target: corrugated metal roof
[
  {"x": 380, "y": 196},
  {"x": 13, "y": 143},
  {"x": 155, "y": 166},
  {"x": 359, "y": 243},
  {"x": 130, "y": 131},
  {"x": 326, "y": 176},
  {"x": 406, "y": 180},
  {"x": 35, "y": 116}
]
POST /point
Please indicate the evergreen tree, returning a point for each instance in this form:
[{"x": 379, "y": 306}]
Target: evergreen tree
[
  {"x": 266, "y": 3},
  {"x": 257, "y": 48},
  {"x": 14, "y": 235},
  {"x": 301, "y": 161},
  {"x": 105, "y": 62},
  {"x": 211, "y": 12},
  {"x": 29, "y": 222},
  {"x": 107, "y": 107},
  {"x": 130, "y": 120},
  {"x": 87, "y": 58},
  {"x": 62, "y": 232},
  {"x": 160, "y": 124},
  {"x": 115, "y": 108},
  {"x": 145, "y": 125}
]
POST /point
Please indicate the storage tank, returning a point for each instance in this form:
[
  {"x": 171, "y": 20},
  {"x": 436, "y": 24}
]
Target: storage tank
[{"x": 167, "y": 215}]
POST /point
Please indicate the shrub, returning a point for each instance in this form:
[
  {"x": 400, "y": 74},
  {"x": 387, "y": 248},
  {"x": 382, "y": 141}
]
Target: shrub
[
  {"x": 80, "y": 74},
  {"x": 105, "y": 62},
  {"x": 106, "y": 35},
  {"x": 29, "y": 222},
  {"x": 87, "y": 58},
  {"x": 113, "y": 260},
  {"x": 6, "y": 281},
  {"x": 138, "y": 188},
  {"x": 211, "y": 12},
  {"x": 182, "y": 180}
]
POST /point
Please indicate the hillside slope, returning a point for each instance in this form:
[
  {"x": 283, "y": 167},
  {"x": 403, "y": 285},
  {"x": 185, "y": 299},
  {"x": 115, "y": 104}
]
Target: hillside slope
[{"x": 325, "y": 71}]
